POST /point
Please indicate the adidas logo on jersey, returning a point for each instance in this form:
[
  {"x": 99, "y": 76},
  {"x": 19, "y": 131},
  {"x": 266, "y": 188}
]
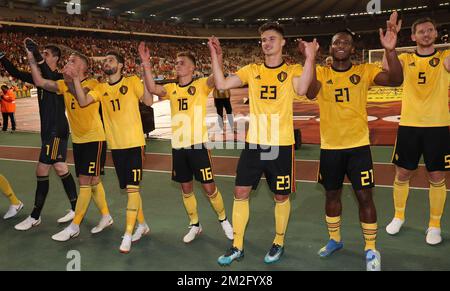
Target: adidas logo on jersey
[
  {"x": 330, "y": 82},
  {"x": 412, "y": 64},
  {"x": 174, "y": 92},
  {"x": 258, "y": 77}
]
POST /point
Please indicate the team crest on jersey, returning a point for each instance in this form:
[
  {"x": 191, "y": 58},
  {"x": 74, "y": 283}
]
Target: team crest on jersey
[
  {"x": 434, "y": 62},
  {"x": 192, "y": 90},
  {"x": 355, "y": 79},
  {"x": 282, "y": 76},
  {"x": 123, "y": 90}
]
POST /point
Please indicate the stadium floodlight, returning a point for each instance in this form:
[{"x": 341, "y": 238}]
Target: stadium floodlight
[
  {"x": 152, "y": 15},
  {"x": 238, "y": 20},
  {"x": 196, "y": 19},
  {"x": 444, "y": 4},
  {"x": 130, "y": 12},
  {"x": 217, "y": 19},
  {"x": 103, "y": 8},
  {"x": 262, "y": 19}
]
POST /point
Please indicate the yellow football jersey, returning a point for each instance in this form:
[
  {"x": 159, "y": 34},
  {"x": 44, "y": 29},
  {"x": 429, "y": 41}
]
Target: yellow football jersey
[
  {"x": 425, "y": 90},
  {"x": 188, "y": 106},
  {"x": 271, "y": 95},
  {"x": 85, "y": 123},
  {"x": 120, "y": 108},
  {"x": 342, "y": 101}
]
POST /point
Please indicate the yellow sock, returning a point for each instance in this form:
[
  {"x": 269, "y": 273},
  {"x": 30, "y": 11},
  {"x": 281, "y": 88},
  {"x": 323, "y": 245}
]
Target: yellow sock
[
  {"x": 241, "y": 213},
  {"x": 141, "y": 217},
  {"x": 334, "y": 227},
  {"x": 282, "y": 213},
  {"x": 438, "y": 195},
  {"x": 8, "y": 191},
  {"x": 132, "y": 209},
  {"x": 401, "y": 189},
  {"x": 190, "y": 203},
  {"x": 84, "y": 198},
  {"x": 370, "y": 235},
  {"x": 99, "y": 196},
  {"x": 217, "y": 203}
]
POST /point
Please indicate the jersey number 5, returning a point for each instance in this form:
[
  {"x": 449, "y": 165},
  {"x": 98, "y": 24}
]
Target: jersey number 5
[{"x": 422, "y": 78}]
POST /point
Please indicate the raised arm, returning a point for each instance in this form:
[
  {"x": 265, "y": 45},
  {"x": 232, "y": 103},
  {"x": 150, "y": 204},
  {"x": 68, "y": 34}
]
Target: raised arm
[
  {"x": 393, "y": 72},
  {"x": 302, "y": 83},
  {"x": 150, "y": 85},
  {"x": 221, "y": 83},
  {"x": 39, "y": 81},
  {"x": 13, "y": 71}
]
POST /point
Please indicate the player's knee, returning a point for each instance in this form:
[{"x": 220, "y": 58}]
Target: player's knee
[
  {"x": 42, "y": 169},
  {"x": 403, "y": 174},
  {"x": 365, "y": 198},
  {"x": 333, "y": 196},
  {"x": 242, "y": 193},
  {"x": 187, "y": 187},
  {"x": 210, "y": 189},
  {"x": 61, "y": 168},
  {"x": 281, "y": 198},
  {"x": 95, "y": 181},
  {"x": 436, "y": 177},
  {"x": 84, "y": 180}
]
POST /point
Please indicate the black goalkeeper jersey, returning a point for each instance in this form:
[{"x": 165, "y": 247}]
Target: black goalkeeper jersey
[{"x": 51, "y": 106}]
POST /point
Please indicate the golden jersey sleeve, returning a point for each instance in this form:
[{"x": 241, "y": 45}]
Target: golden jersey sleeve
[
  {"x": 85, "y": 122},
  {"x": 188, "y": 109},
  {"x": 425, "y": 90},
  {"x": 271, "y": 93},
  {"x": 342, "y": 101},
  {"x": 121, "y": 115}
]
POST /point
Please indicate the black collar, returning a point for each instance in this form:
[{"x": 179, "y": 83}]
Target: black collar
[
  {"x": 426, "y": 56},
  {"x": 121, "y": 77},
  {"x": 276, "y": 67},
  {"x": 341, "y": 70},
  {"x": 184, "y": 86}
]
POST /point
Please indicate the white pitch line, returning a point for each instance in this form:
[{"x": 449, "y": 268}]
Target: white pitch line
[{"x": 217, "y": 175}]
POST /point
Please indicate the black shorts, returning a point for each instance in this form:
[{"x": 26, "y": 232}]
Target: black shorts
[
  {"x": 89, "y": 158},
  {"x": 276, "y": 163},
  {"x": 53, "y": 150},
  {"x": 128, "y": 164},
  {"x": 356, "y": 163},
  {"x": 431, "y": 142},
  {"x": 192, "y": 162}
]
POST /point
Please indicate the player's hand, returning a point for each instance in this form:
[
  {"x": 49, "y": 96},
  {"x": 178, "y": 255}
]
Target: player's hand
[
  {"x": 301, "y": 46},
  {"x": 30, "y": 45},
  {"x": 311, "y": 49},
  {"x": 144, "y": 52},
  {"x": 388, "y": 39},
  {"x": 214, "y": 46},
  {"x": 70, "y": 72}
]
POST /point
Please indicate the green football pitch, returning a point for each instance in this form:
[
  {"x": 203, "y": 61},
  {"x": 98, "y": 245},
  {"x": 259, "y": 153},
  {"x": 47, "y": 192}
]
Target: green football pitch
[{"x": 163, "y": 249}]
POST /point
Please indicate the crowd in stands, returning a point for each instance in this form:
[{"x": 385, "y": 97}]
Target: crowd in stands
[{"x": 109, "y": 23}]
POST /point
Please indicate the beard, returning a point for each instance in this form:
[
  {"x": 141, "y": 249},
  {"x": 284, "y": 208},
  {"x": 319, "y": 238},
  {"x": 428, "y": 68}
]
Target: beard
[{"x": 110, "y": 72}]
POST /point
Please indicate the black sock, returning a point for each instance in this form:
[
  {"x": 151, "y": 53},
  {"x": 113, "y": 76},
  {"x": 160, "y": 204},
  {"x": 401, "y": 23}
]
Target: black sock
[
  {"x": 41, "y": 194},
  {"x": 71, "y": 189}
]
